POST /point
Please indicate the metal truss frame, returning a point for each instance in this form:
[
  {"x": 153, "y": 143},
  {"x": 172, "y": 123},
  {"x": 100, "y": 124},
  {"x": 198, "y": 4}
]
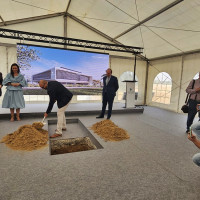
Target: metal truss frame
[{"x": 36, "y": 37}]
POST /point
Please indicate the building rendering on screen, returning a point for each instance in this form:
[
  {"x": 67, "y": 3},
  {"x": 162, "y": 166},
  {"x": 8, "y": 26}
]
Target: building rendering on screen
[{"x": 64, "y": 76}]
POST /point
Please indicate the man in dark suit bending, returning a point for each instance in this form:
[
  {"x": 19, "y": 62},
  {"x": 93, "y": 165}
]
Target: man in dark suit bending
[
  {"x": 57, "y": 92},
  {"x": 110, "y": 87}
]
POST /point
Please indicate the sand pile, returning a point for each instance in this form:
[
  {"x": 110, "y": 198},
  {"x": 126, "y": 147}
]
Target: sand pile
[
  {"x": 38, "y": 125},
  {"x": 107, "y": 130},
  {"x": 27, "y": 137}
]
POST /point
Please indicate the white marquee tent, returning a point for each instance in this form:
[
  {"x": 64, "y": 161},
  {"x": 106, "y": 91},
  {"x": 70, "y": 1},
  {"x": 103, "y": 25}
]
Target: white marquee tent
[{"x": 169, "y": 32}]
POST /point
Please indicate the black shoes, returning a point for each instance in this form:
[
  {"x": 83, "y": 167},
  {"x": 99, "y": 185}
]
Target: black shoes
[{"x": 100, "y": 117}]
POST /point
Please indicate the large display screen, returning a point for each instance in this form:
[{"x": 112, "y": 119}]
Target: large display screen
[{"x": 79, "y": 71}]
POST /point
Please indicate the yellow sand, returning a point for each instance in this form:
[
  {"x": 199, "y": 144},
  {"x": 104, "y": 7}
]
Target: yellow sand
[
  {"x": 107, "y": 130},
  {"x": 27, "y": 137}
]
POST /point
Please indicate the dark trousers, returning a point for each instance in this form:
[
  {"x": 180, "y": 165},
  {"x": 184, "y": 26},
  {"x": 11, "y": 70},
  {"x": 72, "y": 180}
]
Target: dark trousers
[
  {"x": 109, "y": 100},
  {"x": 192, "y": 112}
]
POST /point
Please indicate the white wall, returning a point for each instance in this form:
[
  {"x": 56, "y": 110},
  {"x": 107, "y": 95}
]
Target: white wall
[
  {"x": 182, "y": 69},
  {"x": 121, "y": 65},
  {"x": 172, "y": 66}
]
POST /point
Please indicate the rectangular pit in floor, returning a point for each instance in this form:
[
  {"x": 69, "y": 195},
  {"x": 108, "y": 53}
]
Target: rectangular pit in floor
[{"x": 76, "y": 138}]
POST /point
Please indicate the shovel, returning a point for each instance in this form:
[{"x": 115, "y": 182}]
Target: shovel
[
  {"x": 43, "y": 121},
  {"x": 39, "y": 125}
]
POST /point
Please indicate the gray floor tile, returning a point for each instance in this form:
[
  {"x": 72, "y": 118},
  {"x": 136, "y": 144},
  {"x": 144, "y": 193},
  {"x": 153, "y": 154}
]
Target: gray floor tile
[{"x": 155, "y": 163}]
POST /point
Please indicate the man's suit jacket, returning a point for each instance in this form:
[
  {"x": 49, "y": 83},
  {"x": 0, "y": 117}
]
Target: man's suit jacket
[
  {"x": 57, "y": 92},
  {"x": 112, "y": 86}
]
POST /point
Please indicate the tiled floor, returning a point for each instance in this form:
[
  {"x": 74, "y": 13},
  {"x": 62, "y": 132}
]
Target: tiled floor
[{"x": 155, "y": 163}]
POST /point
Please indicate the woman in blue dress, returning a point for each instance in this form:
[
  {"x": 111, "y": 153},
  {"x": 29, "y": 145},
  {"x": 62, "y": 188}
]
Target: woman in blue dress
[{"x": 13, "y": 97}]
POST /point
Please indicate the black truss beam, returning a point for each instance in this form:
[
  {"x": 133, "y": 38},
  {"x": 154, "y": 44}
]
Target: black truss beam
[{"x": 36, "y": 37}]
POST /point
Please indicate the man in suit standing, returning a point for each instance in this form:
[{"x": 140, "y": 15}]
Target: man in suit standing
[
  {"x": 57, "y": 92},
  {"x": 110, "y": 87}
]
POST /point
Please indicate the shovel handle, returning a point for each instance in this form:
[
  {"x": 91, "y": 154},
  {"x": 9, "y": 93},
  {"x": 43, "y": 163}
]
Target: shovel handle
[{"x": 43, "y": 120}]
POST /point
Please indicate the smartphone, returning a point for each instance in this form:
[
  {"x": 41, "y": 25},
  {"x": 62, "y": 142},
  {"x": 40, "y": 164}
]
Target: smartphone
[{"x": 190, "y": 132}]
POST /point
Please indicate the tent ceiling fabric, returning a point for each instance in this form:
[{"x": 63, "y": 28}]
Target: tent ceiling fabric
[
  {"x": 176, "y": 30},
  {"x": 19, "y": 9}
]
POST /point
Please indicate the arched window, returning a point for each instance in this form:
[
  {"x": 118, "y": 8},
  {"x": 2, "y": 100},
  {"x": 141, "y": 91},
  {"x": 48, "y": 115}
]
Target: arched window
[
  {"x": 128, "y": 75},
  {"x": 162, "y": 87}
]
